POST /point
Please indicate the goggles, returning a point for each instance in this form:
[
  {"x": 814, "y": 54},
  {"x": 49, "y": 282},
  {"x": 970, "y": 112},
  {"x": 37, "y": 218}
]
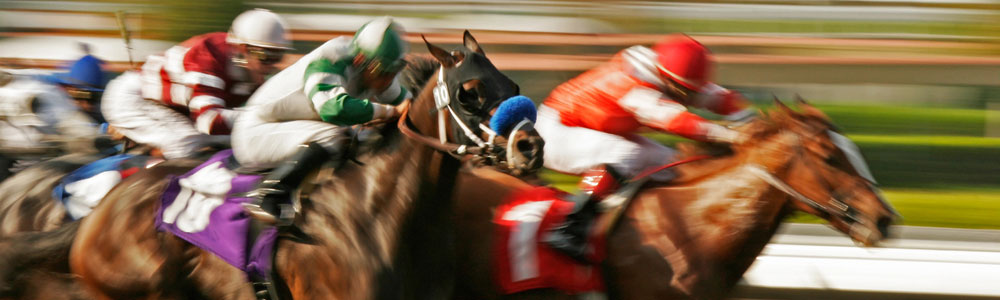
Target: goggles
[
  {"x": 376, "y": 67},
  {"x": 266, "y": 56}
]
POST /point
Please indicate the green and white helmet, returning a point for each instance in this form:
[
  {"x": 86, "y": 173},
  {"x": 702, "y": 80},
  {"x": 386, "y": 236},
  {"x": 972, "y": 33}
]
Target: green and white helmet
[{"x": 381, "y": 42}]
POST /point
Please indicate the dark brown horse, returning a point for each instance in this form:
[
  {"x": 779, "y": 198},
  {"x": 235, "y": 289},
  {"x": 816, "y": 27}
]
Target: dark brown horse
[
  {"x": 381, "y": 230},
  {"x": 695, "y": 237}
]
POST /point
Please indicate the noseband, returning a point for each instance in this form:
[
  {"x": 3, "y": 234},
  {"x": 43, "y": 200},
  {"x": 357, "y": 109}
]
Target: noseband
[{"x": 837, "y": 207}]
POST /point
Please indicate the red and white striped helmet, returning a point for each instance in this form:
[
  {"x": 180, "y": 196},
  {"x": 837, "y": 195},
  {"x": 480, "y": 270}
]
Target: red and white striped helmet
[{"x": 683, "y": 60}]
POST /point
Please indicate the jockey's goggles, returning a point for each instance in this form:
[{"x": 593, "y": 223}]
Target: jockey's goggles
[
  {"x": 266, "y": 56},
  {"x": 376, "y": 67},
  {"x": 80, "y": 94}
]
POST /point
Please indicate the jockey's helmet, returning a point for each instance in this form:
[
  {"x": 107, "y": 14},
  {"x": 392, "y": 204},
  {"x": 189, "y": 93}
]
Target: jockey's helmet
[
  {"x": 380, "y": 43},
  {"x": 684, "y": 61},
  {"x": 259, "y": 27},
  {"x": 84, "y": 74}
]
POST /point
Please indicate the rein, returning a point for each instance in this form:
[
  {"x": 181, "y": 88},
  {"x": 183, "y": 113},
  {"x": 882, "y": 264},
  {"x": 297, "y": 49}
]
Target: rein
[
  {"x": 405, "y": 125},
  {"x": 836, "y": 208},
  {"x": 654, "y": 170}
]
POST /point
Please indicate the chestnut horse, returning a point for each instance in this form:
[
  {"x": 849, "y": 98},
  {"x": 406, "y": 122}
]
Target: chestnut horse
[{"x": 694, "y": 237}]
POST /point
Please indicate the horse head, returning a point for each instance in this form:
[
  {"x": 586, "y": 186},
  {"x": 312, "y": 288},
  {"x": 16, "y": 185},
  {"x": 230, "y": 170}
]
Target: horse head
[
  {"x": 484, "y": 108},
  {"x": 819, "y": 168}
]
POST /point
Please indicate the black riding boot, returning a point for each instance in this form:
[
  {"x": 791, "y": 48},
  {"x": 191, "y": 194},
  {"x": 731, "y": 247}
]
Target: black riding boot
[
  {"x": 570, "y": 236},
  {"x": 272, "y": 201}
]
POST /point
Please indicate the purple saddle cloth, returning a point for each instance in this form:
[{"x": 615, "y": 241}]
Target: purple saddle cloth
[{"x": 203, "y": 207}]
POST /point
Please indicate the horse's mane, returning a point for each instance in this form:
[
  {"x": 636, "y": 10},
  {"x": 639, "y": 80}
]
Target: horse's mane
[
  {"x": 418, "y": 71},
  {"x": 767, "y": 123}
]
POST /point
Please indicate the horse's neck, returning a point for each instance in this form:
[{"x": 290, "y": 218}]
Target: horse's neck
[
  {"x": 710, "y": 229},
  {"x": 363, "y": 216}
]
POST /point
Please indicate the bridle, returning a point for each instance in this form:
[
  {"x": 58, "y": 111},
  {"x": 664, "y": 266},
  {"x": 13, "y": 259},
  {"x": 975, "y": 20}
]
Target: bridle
[
  {"x": 442, "y": 101},
  {"x": 837, "y": 208}
]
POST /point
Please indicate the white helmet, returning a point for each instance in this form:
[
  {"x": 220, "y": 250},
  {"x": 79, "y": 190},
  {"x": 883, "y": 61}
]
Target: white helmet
[{"x": 259, "y": 27}]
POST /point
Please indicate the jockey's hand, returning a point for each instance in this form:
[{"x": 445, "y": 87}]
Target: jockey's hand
[
  {"x": 216, "y": 141},
  {"x": 398, "y": 109},
  {"x": 720, "y": 134},
  {"x": 742, "y": 117}
]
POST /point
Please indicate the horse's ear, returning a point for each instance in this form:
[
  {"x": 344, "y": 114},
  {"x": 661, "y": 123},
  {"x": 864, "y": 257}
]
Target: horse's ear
[
  {"x": 799, "y": 100},
  {"x": 784, "y": 108},
  {"x": 811, "y": 111},
  {"x": 472, "y": 44},
  {"x": 442, "y": 56}
]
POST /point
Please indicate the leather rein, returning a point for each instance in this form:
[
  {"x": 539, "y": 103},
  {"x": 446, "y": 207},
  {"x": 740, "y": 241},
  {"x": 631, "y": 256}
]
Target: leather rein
[{"x": 405, "y": 126}]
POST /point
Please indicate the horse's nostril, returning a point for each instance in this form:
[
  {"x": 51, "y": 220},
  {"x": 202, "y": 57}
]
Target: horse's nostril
[
  {"x": 525, "y": 147},
  {"x": 883, "y": 226}
]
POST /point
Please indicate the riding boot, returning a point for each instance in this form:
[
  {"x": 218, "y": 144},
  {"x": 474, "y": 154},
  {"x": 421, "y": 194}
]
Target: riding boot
[
  {"x": 570, "y": 236},
  {"x": 272, "y": 197}
]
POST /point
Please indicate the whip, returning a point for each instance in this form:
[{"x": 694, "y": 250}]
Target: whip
[{"x": 120, "y": 18}]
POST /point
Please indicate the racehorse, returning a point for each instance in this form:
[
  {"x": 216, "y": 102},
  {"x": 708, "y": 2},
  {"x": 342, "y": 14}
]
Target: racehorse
[
  {"x": 26, "y": 202},
  {"x": 694, "y": 237},
  {"x": 378, "y": 230}
]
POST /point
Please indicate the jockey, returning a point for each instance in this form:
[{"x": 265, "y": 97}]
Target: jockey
[
  {"x": 591, "y": 121},
  {"x": 183, "y": 100},
  {"x": 300, "y": 117},
  {"x": 40, "y": 112}
]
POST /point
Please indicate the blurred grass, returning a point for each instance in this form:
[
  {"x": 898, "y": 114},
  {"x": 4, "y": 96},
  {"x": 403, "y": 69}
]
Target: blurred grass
[
  {"x": 957, "y": 208},
  {"x": 903, "y": 120},
  {"x": 932, "y": 163}
]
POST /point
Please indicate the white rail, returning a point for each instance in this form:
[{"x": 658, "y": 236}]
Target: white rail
[{"x": 923, "y": 263}]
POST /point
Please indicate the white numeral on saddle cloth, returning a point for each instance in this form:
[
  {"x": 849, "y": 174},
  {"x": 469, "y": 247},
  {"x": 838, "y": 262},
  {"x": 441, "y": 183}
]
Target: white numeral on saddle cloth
[{"x": 200, "y": 194}]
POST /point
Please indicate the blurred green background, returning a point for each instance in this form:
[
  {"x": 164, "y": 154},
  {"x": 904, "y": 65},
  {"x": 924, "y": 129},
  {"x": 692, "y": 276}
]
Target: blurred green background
[{"x": 916, "y": 84}]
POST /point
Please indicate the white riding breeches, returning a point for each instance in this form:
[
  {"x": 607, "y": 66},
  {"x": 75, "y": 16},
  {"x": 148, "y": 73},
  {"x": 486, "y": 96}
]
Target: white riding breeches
[
  {"x": 148, "y": 122},
  {"x": 574, "y": 150},
  {"x": 261, "y": 144}
]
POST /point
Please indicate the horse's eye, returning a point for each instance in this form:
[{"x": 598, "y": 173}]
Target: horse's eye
[
  {"x": 468, "y": 97},
  {"x": 833, "y": 161}
]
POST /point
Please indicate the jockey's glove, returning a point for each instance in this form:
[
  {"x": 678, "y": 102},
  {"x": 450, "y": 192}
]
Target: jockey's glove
[
  {"x": 716, "y": 133},
  {"x": 742, "y": 117}
]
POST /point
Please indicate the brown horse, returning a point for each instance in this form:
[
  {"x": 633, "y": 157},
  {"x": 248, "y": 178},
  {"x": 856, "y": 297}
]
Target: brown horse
[
  {"x": 695, "y": 237},
  {"x": 381, "y": 230}
]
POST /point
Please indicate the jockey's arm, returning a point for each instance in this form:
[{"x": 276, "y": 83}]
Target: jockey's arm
[
  {"x": 207, "y": 102},
  {"x": 324, "y": 86},
  {"x": 651, "y": 109},
  {"x": 725, "y": 102},
  {"x": 209, "y": 111}
]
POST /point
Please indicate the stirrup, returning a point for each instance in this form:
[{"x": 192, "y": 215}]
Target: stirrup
[
  {"x": 264, "y": 290},
  {"x": 286, "y": 214},
  {"x": 567, "y": 244}
]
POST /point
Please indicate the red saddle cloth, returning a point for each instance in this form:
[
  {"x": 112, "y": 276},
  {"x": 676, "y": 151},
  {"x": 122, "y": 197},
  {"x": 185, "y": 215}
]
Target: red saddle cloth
[{"x": 522, "y": 261}]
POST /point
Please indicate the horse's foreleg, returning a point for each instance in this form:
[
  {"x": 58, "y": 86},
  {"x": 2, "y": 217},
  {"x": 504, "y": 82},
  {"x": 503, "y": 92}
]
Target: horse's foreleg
[{"x": 216, "y": 279}]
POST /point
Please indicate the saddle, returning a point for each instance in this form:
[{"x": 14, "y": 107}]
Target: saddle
[{"x": 526, "y": 259}]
